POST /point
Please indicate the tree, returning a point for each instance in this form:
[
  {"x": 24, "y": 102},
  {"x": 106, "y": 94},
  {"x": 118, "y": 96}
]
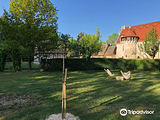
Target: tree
[
  {"x": 112, "y": 39},
  {"x": 151, "y": 44},
  {"x": 73, "y": 48},
  {"x": 9, "y": 43},
  {"x": 63, "y": 44},
  {"x": 80, "y": 35},
  {"x": 89, "y": 44},
  {"x": 75, "y": 45},
  {"x": 36, "y": 24},
  {"x": 3, "y": 55}
]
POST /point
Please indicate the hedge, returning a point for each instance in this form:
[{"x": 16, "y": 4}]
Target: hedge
[{"x": 100, "y": 64}]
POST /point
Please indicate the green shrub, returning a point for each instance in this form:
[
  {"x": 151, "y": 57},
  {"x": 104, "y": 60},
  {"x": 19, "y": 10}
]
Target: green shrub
[
  {"x": 130, "y": 64},
  {"x": 100, "y": 64}
]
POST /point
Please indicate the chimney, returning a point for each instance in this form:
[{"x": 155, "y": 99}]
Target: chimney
[{"x": 123, "y": 27}]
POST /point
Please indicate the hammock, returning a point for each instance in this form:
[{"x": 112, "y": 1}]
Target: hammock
[
  {"x": 109, "y": 73},
  {"x": 127, "y": 75}
]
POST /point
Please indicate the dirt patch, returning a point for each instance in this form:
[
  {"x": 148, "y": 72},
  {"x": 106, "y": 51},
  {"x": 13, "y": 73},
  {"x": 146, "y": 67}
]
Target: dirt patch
[{"x": 10, "y": 102}]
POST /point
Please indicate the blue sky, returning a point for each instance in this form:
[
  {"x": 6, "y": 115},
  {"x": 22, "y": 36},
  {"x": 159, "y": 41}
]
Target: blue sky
[{"x": 77, "y": 16}]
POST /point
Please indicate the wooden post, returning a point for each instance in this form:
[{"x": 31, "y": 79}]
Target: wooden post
[
  {"x": 63, "y": 85},
  {"x": 64, "y": 96}
]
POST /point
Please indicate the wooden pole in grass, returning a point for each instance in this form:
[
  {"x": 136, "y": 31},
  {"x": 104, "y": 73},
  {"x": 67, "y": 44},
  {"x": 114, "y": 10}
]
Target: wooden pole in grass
[
  {"x": 64, "y": 96},
  {"x": 65, "y": 39},
  {"x": 63, "y": 116},
  {"x": 63, "y": 86}
]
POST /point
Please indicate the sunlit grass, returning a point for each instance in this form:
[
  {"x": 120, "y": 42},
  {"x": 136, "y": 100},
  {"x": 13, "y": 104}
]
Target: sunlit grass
[{"x": 90, "y": 95}]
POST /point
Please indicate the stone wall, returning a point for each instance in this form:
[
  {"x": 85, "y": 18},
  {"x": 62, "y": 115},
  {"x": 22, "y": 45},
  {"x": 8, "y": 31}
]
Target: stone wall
[
  {"x": 126, "y": 49},
  {"x": 120, "y": 51},
  {"x": 129, "y": 49}
]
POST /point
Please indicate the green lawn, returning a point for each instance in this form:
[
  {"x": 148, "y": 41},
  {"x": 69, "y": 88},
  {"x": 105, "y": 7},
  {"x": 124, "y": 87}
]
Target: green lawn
[
  {"x": 24, "y": 65},
  {"x": 90, "y": 95}
]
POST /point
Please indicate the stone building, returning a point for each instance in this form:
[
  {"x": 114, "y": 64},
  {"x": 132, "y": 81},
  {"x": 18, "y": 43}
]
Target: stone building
[
  {"x": 111, "y": 52},
  {"x": 131, "y": 37},
  {"x": 108, "y": 51}
]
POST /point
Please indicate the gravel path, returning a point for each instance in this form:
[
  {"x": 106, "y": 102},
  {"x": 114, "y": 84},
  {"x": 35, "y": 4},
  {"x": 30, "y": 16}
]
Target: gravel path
[{"x": 69, "y": 116}]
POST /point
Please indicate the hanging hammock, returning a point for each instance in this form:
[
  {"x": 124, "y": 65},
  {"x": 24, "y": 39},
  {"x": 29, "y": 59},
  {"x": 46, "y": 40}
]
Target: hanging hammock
[{"x": 127, "y": 75}]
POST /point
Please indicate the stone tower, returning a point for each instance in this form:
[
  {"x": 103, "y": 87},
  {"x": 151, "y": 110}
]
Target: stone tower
[
  {"x": 128, "y": 45},
  {"x": 130, "y": 38}
]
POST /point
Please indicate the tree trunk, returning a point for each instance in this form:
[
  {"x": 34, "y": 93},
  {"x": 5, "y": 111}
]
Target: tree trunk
[{"x": 29, "y": 62}]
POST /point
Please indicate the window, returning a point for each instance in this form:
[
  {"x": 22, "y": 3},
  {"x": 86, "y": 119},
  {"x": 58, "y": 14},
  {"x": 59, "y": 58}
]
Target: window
[{"x": 128, "y": 38}]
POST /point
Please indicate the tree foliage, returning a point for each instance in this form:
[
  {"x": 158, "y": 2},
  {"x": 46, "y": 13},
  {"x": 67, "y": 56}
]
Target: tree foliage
[
  {"x": 30, "y": 24},
  {"x": 63, "y": 42},
  {"x": 73, "y": 48},
  {"x": 112, "y": 39},
  {"x": 86, "y": 44},
  {"x": 3, "y": 57},
  {"x": 9, "y": 44},
  {"x": 151, "y": 44}
]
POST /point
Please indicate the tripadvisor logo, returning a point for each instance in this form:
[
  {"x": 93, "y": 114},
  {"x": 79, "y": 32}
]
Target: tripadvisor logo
[{"x": 124, "y": 112}]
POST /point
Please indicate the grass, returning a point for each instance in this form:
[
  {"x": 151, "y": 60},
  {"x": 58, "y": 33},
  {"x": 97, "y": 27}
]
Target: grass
[
  {"x": 90, "y": 95},
  {"x": 24, "y": 65}
]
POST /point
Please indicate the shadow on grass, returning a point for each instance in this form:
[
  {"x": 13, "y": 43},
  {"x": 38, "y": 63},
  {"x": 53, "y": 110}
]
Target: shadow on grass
[
  {"x": 90, "y": 96},
  {"x": 131, "y": 96}
]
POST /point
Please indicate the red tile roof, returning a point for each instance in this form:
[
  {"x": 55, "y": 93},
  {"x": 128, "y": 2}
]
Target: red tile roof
[
  {"x": 130, "y": 33},
  {"x": 139, "y": 30}
]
